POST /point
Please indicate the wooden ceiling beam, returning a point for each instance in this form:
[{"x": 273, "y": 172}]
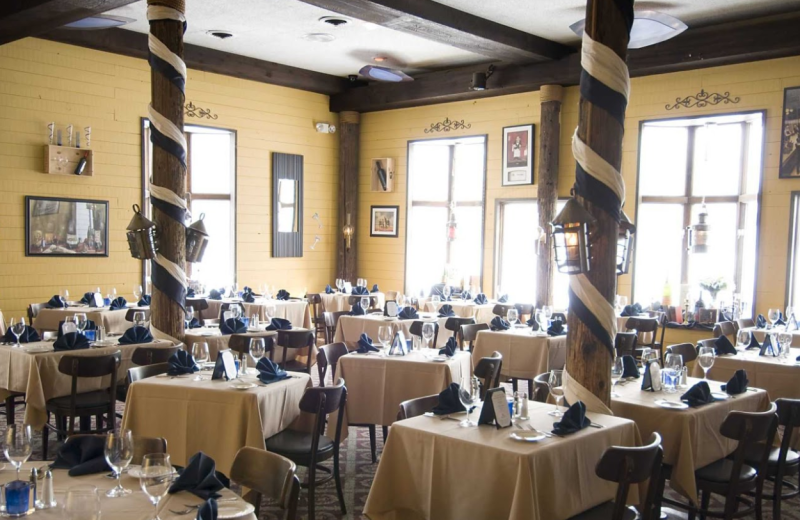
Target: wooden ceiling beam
[{"x": 440, "y": 23}]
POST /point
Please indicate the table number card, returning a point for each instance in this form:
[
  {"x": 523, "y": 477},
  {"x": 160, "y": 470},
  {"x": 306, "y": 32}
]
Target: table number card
[
  {"x": 97, "y": 300},
  {"x": 398, "y": 347},
  {"x": 225, "y": 367},
  {"x": 391, "y": 309},
  {"x": 348, "y": 288},
  {"x": 495, "y": 409}
]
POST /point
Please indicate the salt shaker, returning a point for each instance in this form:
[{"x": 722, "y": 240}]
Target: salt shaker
[
  {"x": 684, "y": 377},
  {"x": 101, "y": 333},
  {"x": 47, "y": 497},
  {"x": 244, "y": 365},
  {"x": 523, "y": 407}
]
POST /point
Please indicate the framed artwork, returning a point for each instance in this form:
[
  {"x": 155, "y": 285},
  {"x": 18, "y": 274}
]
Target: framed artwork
[
  {"x": 383, "y": 221},
  {"x": 518, "y": 155},
  {"x": 790, "y": 136},
  {"x": 65, "y": 227}
]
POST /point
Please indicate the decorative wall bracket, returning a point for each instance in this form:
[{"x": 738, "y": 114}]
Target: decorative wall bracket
[
  {"x": 447, "y": 125},
  {"x": 703, "y": 99},
  {"x": 194, "y": 111}
]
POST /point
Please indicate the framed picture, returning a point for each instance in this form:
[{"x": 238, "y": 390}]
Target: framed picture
[
  {"x": 518, "y": 155},
  {"x": 65, "y": 227},
  {"x": 383, "y": 221},
  {"x": 790, "y": 136}
]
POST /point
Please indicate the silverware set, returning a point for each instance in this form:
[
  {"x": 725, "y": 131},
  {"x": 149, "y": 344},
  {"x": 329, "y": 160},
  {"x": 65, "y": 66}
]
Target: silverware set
[{"x": 192, "y": 508}]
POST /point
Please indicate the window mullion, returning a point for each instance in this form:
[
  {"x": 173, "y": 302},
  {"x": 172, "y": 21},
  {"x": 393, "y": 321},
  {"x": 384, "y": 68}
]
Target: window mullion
[{"x": 687, "y": 207}]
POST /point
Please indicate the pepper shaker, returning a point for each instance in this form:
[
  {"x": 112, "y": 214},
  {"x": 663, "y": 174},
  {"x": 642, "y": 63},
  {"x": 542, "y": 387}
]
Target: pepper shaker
[
  {"x": 684, "y": 377},
  {"x": 47, "y": 496},
  {"x": 34, "y": 480}
]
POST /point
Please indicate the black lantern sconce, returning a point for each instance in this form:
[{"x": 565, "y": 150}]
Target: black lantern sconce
[
  {"x": 142, "y": 239},
  {"x": 698, "y": 233},
  {"x": 570, "y": 232},
  {"x": 196, "y": 240},
  {"x": 624, "y": 243}
]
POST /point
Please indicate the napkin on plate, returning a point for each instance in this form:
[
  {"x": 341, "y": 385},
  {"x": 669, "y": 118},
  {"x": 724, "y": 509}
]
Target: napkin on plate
[
  {"x": 208, "y": 510},
  {"x": 629, "y": 367},
  {"x": 450, "y": 348},
  {"x": 498, "y": 323},
  {"x": 248, "y": 296},
  {"x": 87, "y": 298},
  {"x": 698, "y": 395},
  {"x": 283, "y": 294},
  {"x": 780, "y": 321},
  {"x": 328, "y": 289},
  {"x": 375, "y": 288},
  {"x": 573, "y": 420},
  {"x": 408, "y": 313},
  {"x": 502, "y": 299},
  {"x": 214, "y": 294},
  {"x": 480, "y": 299},
  {"x": 199, "y": 477},
  {"x": 737, "y": 384},
  {"x": 761, "y": 322},
  {"x": 270, "y": 372},
  {"x": 232, "y": 326},
  {"x": 359, "y": 291},
  {"x": 90, "y": 325},
  {"x": 56, "y": 302},
  {"x": 357, "y": 310},
  {"x": 753, "y": 343},
  {"x": 145, "y": 300},
  {"x": 449, "y": 401},
  {"x": 556, "y": 328},
  {"x": 365, "y": 345},
  {"x": 118, "y": 303},
  {"x": 135, "y": 335},
  {"x": 30, "y": 335},
  {"x": 83, "y": 455},
  {"x": 181, "y": 362},
  {"x": 723, "y": 346},
  {"x": 71, "y": 341},
  {"x": 279, "y": 324},
  {"x": 446, "y": 311}
]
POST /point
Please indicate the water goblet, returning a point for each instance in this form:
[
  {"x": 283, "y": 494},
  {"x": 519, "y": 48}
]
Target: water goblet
[
  {"x": 673, "y": 366},
  {"x": 137, "y": 292},
  {"x": 705, "y": 359},
  {"x": 157, "y": 476},
  {"x": 118, "y": 452},
  {"x": 548, "y": 311},
  {"x": 436, "y": 298},
  {"x": 80, "y": 321},
  {"x": 428, "y": 330},
  {"x": 65, "y": 295},
  {"x": 773, "y": 315},
  {"x": 385, "y": 336},
  {"x": 469, "y": 394},
  {"x": 257, "y": 349},
  {"x": 365, "y": 302},
  {"x": 17, "y": 447},
  {"x": 743, "y": 338},
  {"x": 446, "y": 291},
  {"x": 139, "y": 319},
  {"x": 617, "y": 368},
  {"x": 785, "y": 342},
  {"x": 541, "y": 319},
  {"x": 200, "y": 355},
  {"x": 17, "y": 329},
  {"x": 512, "y": 316},
  {"x": 82, "y": 503},
  {"x": 556, "y": 385}
]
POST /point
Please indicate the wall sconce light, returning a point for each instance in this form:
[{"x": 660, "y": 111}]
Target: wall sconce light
[
  {"x": 325, "y": 128},
  {"x": 698, "y": 233},
  {"x": 479, "y": 79},
  {"x": 348, "y": 231},
  {"x": 571, "y": 238},
  {"x": 624, "y": 244}
]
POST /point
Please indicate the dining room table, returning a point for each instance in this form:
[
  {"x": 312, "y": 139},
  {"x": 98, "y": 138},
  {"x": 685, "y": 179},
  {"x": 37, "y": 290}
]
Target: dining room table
[
  {"x": 113, "y": 321},
  {"x": 295, "y": 310},
  {"x": 217, "y": 341},
  {"x": 526, "y": 353},
  {"x": 434, "y": 469},
  {"x": 761, "y": 333},
  {"x": 340, "y": 301},
  {"x": 779, "y": 377},
  {"x": 349, "y": 328},
  {"x": 464, "y": 309},
  {"x": 217, "y": 417}
]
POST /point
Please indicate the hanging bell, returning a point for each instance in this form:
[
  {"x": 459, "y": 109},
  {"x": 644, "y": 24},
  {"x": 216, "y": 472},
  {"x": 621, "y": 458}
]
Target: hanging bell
[
  {"x": 196, "y": 240},
  {"x": 142, "y": 239}
]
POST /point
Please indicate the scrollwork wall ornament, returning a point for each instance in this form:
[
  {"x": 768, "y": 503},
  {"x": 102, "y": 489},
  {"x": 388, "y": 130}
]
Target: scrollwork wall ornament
[
  {"x": 194, "y": 111},
  {"x": 703, "y": 99},
  {"x": 447, "y": 125}
]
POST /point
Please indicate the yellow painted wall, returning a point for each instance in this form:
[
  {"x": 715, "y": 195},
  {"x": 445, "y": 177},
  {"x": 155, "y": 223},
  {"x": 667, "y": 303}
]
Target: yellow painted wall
[
  {"x": 42, "y": 81},
  {"x": 759, "y": 85}
]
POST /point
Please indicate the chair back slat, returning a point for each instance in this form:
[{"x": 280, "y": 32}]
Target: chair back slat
[
  {"x": 416, "y": 330},
  {"x": 753, "y": 431},
  {"x": 488, "y": 369},
  {"x": 129, "y": 314},
  {"x": 417, "y": 407},
  {"x": 151, "y": 355},
  {"x": 328, "y": 356},
  {"x": 625, "y": 343},
  {"x": 143, "y": 372},
  {"x": 745, "y": 323},
  {"x": 144, "y": 445},
  {"x": 687, "y": 351},
  {"x": 541, "y": 387},
  {"x": 501, "y": 309},
  {"x": 268, "y": 474}
]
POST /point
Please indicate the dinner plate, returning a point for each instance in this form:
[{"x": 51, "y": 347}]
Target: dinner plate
[
  {"x": 439, "y": 359},
  {"x": 105, "y": 343},
  {"x": 242, "y": 386},
  {"x": 527, "y": 436},
  {"x": 38, "y": 348},
  {"x": 720, "y": 395},
  {"x": 673, "y": 405},
  {"x": 135, "y": 471},
  {"x": 234, "y": 509}
]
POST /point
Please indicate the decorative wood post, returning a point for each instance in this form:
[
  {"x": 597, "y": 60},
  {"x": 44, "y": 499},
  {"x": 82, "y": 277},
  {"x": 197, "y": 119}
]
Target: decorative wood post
[
  {"x": 349, "y": 135},
  {"x": 597, "y": 147},
  {"x": 549, "y": 142},
  {"x": 168, "y": 187}
]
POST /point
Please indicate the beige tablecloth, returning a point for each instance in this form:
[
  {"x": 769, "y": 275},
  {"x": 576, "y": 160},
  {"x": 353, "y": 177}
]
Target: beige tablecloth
[
  {"x": 210, "y": 415},
  {"x": 113, "y": 321},
  {"x": 37, "y": 374},
  {"x": 217, "y": 341},
  {"x": 295, "y": 311},
  {"x": 767, "y": 372},
  {"x": 760, "y": 334},
  {"x": 350, "y": 328},
  {"x": 524, "y": 355},
  {"x": 435, "y": 470},
  {"x": 338, "y": 302},
  {"x": 691, "y": 437},
  {"x": 135, "y": 506},
  {"x": 468, "y": 309}
]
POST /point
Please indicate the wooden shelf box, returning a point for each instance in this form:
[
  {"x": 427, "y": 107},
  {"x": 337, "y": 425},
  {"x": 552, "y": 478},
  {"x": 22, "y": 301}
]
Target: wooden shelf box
[
  {"x": 62, "y": 160},
  {"x": 382, "y": 171}
]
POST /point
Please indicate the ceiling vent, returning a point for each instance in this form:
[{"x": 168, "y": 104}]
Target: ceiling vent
[
  {"x": 335, "y": 21},
  {"x": 222, "y": 35}
]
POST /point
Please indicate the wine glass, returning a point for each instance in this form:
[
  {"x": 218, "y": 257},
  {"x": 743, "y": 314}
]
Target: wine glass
[
  {"x": 236, "y": 311},
  {"x": 17, "y": 447},
  {"x": 617, "y": 302},
  {"x": 113, "y": 293},
  {"x": 82, "y": 503},
  {"x": 435, "y": 298},
  {"x": 512, "y": 315},
  {"x": 773, "y": 315},
  {"x": 556, "y": 386},
  {"x": 446, "y": 291},
  {"x": 743, "y": 338},
  {"x": 17, "y": 329},
  {"x": 137, "y": 292},
  {"x": 257, "y": 349},
  {"x": 385, "y": 335},
  {"x": 541, "y": 319},
  {"x": 427, "y": 333},
  {"x": 80, "y": 321},
  {"x": 200, "y": 355},
  {"x": 705, "y": 359},
  {"x": 65, "y": 295},
  {"x": 548, "y": 312},
  {"x": 789, "y": 312},
  {"x": 189, "y": 315},
  {"x": 139, "y": 319},
  {"x": 365, "y": 302},
  {"x": 785, "y": 342},
  {"x": 118, "y": 452},
  {"x": 649, "y": 355},
  {"x": 339, "y": 284},
  {"x": 401, "y": 300},
  {"x": 623, "y": 301},
  {"x": 673, "y": 366},
  {"x": 157, "y": 475},
  {"x": 469, "y": 394},
  {"x": 617, "y": 368}
]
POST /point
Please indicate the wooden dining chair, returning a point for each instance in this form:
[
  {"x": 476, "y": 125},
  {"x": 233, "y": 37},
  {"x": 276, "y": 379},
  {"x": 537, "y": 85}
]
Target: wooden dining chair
[
  {"x": 328, "y": 356},
  {"x": 199, "y": 305},
  {"x": 145, "y": 445},
  {"x": 317, "y": 318},
  {"x": 501, "y": 309},
  {"x": 139, "y": 373},
  {"x": 269, "y": 475},
  {"x": 541, "y": 388},
  {"x": 705, "y": 343},
  {"x": 628, "y": 466},
  {"x": 687, "y": 351},
  {"x": 645, "y": 327},
  {"x": 133, "y": 310},
  {"x": 308, "y": 450},
  {"x": 488, "y": 370},
  {"x": 144, "y": 356},
  {"x": 33, "y": 311},
  {"x": 469, "y": 333},
  {"x": 356, "y": 298},
  {"x": 625, "y": 343},
  {"x": 416, "y": 330},
  {"x": 725, "y": 328},
  {"x": 745, "y": 323},
  {"x": 331, "y": 322},
  {"x": 525, "y": 311},
  {"x": 296, "y": 339},
  {"x": 454, "y": 324},
  {"x": 240, "y": 343},
  {"x": 416, "y": 407}
]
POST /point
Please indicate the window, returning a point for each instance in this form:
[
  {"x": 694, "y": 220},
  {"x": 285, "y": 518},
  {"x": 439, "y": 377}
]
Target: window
[
  {"x": 516, "y": 253},
  {"x": 210, "y": 187},
  {"x": 684, "y": 164},
  {"x": 793, "y": 268},
  {"x": 445, "y": 185}
]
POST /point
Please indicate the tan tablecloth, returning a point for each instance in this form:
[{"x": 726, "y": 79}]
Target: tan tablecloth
[
  {"x": 210, "y": 415},
  {"x": 524, "y": 355},
  {"x": 468, "y": 309},
  {"x": 217, "y": 341},
  {"x": 350, "y": 328},
  {"x": 113, "y": 321},
  {"x": 691, "y": 437},
  {"x": 135, "y": 506},
  {"x": 338, "y": 302},
  {"x": 778, "y": 379},
  {"x": 434, "y": 469},
  {"x": 37, "y": 374},
  {"x": 760, "y": 334},
  {"x": 295, "y": 311}
]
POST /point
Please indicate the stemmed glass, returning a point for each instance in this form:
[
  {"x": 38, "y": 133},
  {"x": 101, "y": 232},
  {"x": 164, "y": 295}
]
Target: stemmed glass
[
  {"x": 82, "y": 503},
  {"x": 17, "y": 447},
  {"x": 157, "y": 475},
  {"x": 427, "y": 333},
  {"x": 705, "y": 359},
  {"x": 548, "y": 313},
  {"x": 385, "y": 335},
  {"x": 365, "y": 303},
  {"x": 541, "y": 319},
  {"x": 65, "y": 295},
  {"x": 113, "y": 293},
  {"x": 785, "y": 342},
  {"x": 556, "y": 385},
  {"x": 436, "y": 298},
  {"x": 257, "y": 350},
  {"x": 512, "y": 316},
  {"x": 200, "y": 355},
  {"x": 80, "y": 321},
  {"x": 118, "y": 452},
  {"x": 137, "y": 292},
  {"x": 773, "y": 315},
  {"x": 469, "y": 394},
  {"x": 446, "y": 291},
  {"x": 339, "y": 284},
  {"x": 236, "y": 311},
  {"x": 189, "y": 315},
  {"x": 139, "y": 319},
  {"x": 17, "y": 329},
  {"x": 743, "y": 338},
  {"x": 673, "y": 365},
  {"x": 617, "y": 368}
]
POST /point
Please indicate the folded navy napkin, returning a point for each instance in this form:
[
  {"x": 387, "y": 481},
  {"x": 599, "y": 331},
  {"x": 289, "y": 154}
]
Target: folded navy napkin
[
  {"x": 181, "y": 362},
  {"x": 135, "y": 335},
  {"x": 698, "y": 395},
  {"x": 87, "y": 298},
  {"x": 365, "y": 345},
  {"x": 279, "y": 324},
  {"x": 631, "y": 310},
  {"x": 71, "y": 341},
  {"x": 780, "y": 322},
  {"x": 408, "y": 313},
  {"x": 190, "y": 293},
  {"x": 480, "y": 299},
  {"x": 359, "y": 291},
  {"x": 357, "y": 310},
  {"x": 270, "y": 372},
  {"x": 208, "y": 510},
  {"x": 375, "y": 288},
  {"x": 283, "y": 294},
  {"x": 30, "y": 335},
  {"x": 503, "y": 298},
  {"x": 82, "y": 455},
  {"x": 753, "y": 343},
  {"x": 629, "y": 367},
  {"x": 556, "y": 328},
  {"x": 573, "y": 420},
  {"x": 498, "y": 323},
  {"x": 214, "y": 294},
  {"x": 761, "y": 322},
  {"x": 194, "y": 323},
  {"x": 446, "y": 311},
  {"x": 90, "y": 325},
  {"x": 232, "y": 326},
  {"x": 723, "y": 346},
  {"x": 450, "y": 348},
  {"x": 449, "y": 401},
  {"x": 532, "y": 323},
  {"x": 328, "y": 289},
  {"x": 248, "y": 297},
  {"x": 145, "y": 300},
  {"x": 199, "y": 477},
  {"x": 768, "y": 349},
  {"x": 56, "y": 302},
  {"x": 737, "y": 384},
  {"x": 118, "y": 303},
  {"x": 465, "y": 295}
]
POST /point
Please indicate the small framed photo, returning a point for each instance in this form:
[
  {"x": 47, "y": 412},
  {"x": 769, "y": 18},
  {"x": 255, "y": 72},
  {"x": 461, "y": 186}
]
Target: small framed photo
[
  {"x": 790, "y": 135},
  {"x": 518, "y": 155},
  {"x": 384, "y": 221}
]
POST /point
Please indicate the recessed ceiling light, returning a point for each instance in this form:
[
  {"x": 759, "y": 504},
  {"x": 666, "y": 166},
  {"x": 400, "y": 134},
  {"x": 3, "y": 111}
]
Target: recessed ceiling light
[
  {"x": 380, "y": 59},
  {"x": 384, "y": 74},
  {"x": 649, "y": 28},
  {"x": 222, "y": 35},
  {"x": 100, "y": 21},
  {"x": 319, "y": 37},
  {"x": 336, "y": 21}
]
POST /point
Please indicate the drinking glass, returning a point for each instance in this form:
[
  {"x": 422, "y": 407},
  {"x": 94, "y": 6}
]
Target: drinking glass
[
  {"x": 139, "y": 319},
  {"x": 257, "y": 349},
  {"x": 200, "y": 355},
  {"x": 617, "y": 368},
  {"x": 512, "y": 315},
  {"x": 623, "y": 301},
  {"x": 17, "y": 447},
  {"x": 365, "y": 302},
  {"x": 65, "y": 295},
  {"x": 617, "y": 306},
  {"x": 385, "y": 335},
  {"x": 401, "y": 300},
  {"x": 113, "y": 293},
  {"x": 548, "y": 311},
  {"x": 80, "y": 321},
  {"x": 157, "y": 475},
  {"x": 339, "y": 284},
  {"x": 236, "y": 311},
  {"x": 427, "y": 333},
  {"x": 137, "y": 292},
  {"x": 446, "y": 291},
  {"x": 541, "y": 319},
  {"x": 785, "y": 341},
  {"x": 270, "y": 311},
  {"x": 18, "y": 329},
  {"x": 556, "y": 385},
  {"x": 773, "y": 315},
  {"x": 82, "y": 503},
  {"x": 743, "y": 338},
  {"x": 673, "y": 366},
  {"x": 469, "y": 394},
  {"x": 789, "y": 312},
  {"x": 189, "y": 315},
  {"x": 435, "y": 298},
  {"x": 118, "y": 452},
  {"x": 254, "y": 322},
  {"x": 649, "y": 355},
  {"x": 705, "y": 359}
]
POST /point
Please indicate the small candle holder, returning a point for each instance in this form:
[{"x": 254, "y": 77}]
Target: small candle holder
[{"x": 19, "y": 499}]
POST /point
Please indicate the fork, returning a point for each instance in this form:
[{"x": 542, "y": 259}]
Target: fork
[{"x": 192, "y": 508}]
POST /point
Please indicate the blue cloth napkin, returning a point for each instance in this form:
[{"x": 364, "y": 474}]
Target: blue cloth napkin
[
  {"x": 449, "y": 401},
  {"x": 480, "y": 299},
  {"x": 781, "y": 321},
  {"x": 71, "y": 341},
  {"x": 573, "y": 420},
  {"x": 135, "y": 335},
  {"x": 208, "y": 510},
  {"x": 365, "y": 345},
  {"x": 270, "y": 372},
  {"x": 698, "y": 395},
  {"x": 375, "y": 288},
  {"x": 194, "y": 323},
  {"x": 532, "y": 323},
  {"x": 465, "y": 295},
  {"x": 761, "y": 322},
  {"x": 144, "y": 301},
  {"x": 357, "y": 310},
  {"x": 723, "y": 346},
  {"x": 29, "y": 336},
  {"x": 190, "y": 293},
  {"x": 631, "y": 310},
  {"x": 768, "y": 349},
  {"x": 556, "y": 328},
  {"x": 118, "y": 303},
  {"x": 87, "y": 298},
  {"x": 328, "y": 289},
  {"x": 232, "y": 326},
  {"x": 199, "y": 478},
  {"x": 283, "y": 294},
  {"x": 56, "y": 302},
  {"x": 82, "y": 455},
  {"x": 408, "y": 313},
  {"x": 498, "y": 323},
  {"x": 181, "y": 362},
  {"x": 357, "y": 291},
  {"x": 753, "y": 343},
  {"x": 629, "y": 368},
  {"x": 446, "y": 311},
  {"x": 215, "y": 294},
  {"x": 503, "y": 299},
  {"x": 450, "y": 348},
  {"x": 279, "y": 324},
  {"x": 737, "y": 383},
  {"x": 248, "y": 297}
]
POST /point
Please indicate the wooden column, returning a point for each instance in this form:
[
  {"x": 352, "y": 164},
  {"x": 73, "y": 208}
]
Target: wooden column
[
  {"x": 349, "y": 135},
  {"x": 588, "y": 360},
  {"x": 167, "y": 99},
  {"x": 549, "y": 142}
]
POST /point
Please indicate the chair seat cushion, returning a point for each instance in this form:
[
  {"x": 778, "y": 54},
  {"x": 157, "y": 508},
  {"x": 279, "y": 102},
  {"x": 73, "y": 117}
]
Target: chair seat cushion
[
  {"x": 754, "y": 452},
  {"x": 290, "y": 442},
  {"x": 720, "y": 472},
  {"x": 96, "y": 399},
  {"x": 604, "y": 512}
]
